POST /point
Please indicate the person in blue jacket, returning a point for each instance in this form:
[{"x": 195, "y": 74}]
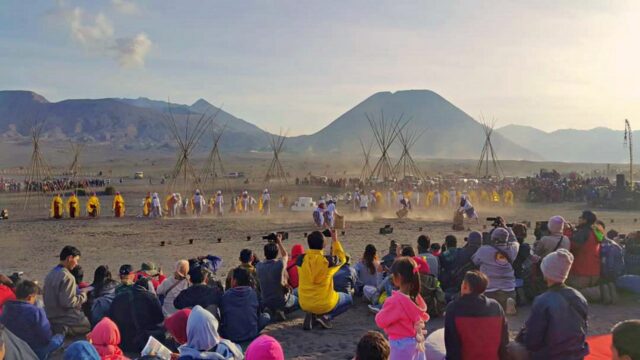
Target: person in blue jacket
[{"x": 29, "y": 322}]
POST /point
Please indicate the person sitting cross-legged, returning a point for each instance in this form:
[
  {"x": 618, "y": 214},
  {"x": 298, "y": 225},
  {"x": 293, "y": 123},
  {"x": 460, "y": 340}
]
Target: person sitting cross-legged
[
  {"x": 315, "y": 289},
  {"x": 275, "y": 293},
  {"x": 29, "y": 322},
  {"x": 240, "y": 310},
  {"x": 199, "y": 293}
]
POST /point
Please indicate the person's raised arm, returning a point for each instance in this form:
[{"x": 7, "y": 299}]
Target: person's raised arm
[
  {"x": 336, "y": 247},
  {"x": 283, "y": 252}
]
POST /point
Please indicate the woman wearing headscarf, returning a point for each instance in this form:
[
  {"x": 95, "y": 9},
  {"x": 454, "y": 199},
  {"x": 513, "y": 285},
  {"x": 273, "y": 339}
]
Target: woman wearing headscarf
[
  {"x": 203, "y": 340},
  {"x": 176, "y": 325},
  {"x": 81, "y": 350},
  {"x": 292, "y": 269},
  {"x": 105, "y": 337},
  {"x": 171, "y": 287},
  {"x": 102, "y": 295},
  {"x": 264, "y": 348}
]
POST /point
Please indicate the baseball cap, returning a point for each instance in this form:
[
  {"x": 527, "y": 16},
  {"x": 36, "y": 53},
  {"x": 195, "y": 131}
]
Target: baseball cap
[{"x": 126, "y": 270}]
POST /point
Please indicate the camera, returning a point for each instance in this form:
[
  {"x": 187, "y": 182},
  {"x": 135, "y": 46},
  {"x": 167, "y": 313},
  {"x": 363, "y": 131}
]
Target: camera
[
  {"x": 386, "y": 230},
  {"x": 273, "y": 236},
  {"x": 496, "y": 222},
  {"x": 326, "y": 233}
]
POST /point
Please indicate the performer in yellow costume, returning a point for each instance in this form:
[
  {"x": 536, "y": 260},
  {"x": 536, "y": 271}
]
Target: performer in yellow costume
[
  {"x": 93, "y": 206},
  {"x": 508, "y": 197},
  {"x": 57, "y": 207},
  {"x": 73, "y": 206},
  {"x": 445, "y": 199},
  {"x": 428, "y": 199},
  {"x": 118, "y": 205},
  {"x": 146, "y": 205},
  {"x": 495, "y": 197}
]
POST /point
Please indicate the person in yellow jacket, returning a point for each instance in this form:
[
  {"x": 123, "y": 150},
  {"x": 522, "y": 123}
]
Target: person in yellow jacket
[
  {"x": 93, "y": 206},
  {"x": 428, "y": 199},
  {"x": 484, "y": 197},
  {"x": 445, "y": 199},
  {"x": 146, "y": 205},
  {"x": 118, "y": 205},
  {"x": 73, "y": 206},
  {"x": 57, "y": 207},
  {"x": 495, "y": 197},
  {"x": 315, "y": 281},
  {"x": 508, "y": 197}
]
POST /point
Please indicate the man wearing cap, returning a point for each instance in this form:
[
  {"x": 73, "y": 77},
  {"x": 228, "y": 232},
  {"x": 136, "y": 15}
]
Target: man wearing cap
[
  {"x": 496, "y": 261},
  {"x": 555, "y": 240},
  {"x": 151, "y": 271},
  {"x": 127, "y": 278},
  {"x": 557, "y": 325}
]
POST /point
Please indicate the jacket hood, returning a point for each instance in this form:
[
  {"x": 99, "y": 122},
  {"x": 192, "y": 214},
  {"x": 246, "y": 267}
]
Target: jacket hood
[
  {"x": 297, "y": 250},
  {"x": 416, "y": 310}
]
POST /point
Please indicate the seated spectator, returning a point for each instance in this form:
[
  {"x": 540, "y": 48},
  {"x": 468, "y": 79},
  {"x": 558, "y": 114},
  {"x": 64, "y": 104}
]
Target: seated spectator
[
  {"x": 368, "y": 269},
  {"x": 387, "y": 260},
  {"x": 470, "y": 312},
  {"x": 6, "y": 291},
  {"x": 435, "y": 250},
  {"x": 448, "y": 260},
  {"x": 127, "y": 279},
  {"x": 247, "y": 261},
  {"x": 14, "y": 348},
  {"x": 102, "y": 295},
  {"x": 524, "y": 262},
  {"x": 62, "y": 299},
  {"x": 557, "y": 325},
  {"x": 345, "y": 279},
  {"x": 496, "y": 261},
  {"x": 372, "y": 346},
  {"x": 176, "y": 326},
  {"x": 625, "y": 340},
  {"x": 612, "y": 266},
  {"x": 463, "y": 263},
  {"x": 169, "y": 289},
  {"x": 29, "y": 322},
  {"x": 555, "y": 240},
  {"x": 138, "y": 315},
  {"x": 264, "y": 348},
  {"x": 315, "y": 271},
  {"x": 423, "y": 266},
  {"x": 240, "y": 311},
  {"x": 78, "y": 274},
  {"x": 152, "y": 272},
  {"x": 105, "y": 337},
  {"x": 292, "y": 269},
  {"x": 81, "y": 350},
  {"x": 198, "y": 293},
  {"x": 274, "y": 290},
  {"x": 424, "y": 251},
  {"x": 203, "y": 341}
]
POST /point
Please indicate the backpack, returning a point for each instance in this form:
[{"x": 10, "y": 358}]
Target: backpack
[
  {"x": 432, "y": 295},
  {"x": 612, "y": 260}
]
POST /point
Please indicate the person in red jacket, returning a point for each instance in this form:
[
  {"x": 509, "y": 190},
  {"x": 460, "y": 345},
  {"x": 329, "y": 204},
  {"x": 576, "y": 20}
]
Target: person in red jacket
[
  {"x": 6, "y": 291},
  {"x": 470, "y": 312},
  {"x": 292, "y": 269},
  {"x": 585, "y": 247}
]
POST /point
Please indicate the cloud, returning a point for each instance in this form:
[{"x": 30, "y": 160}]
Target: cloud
[
  {"x": 125, "y": 7},
  {"x": 131, "y": 52},
  {"x": 88, "y": 32}
]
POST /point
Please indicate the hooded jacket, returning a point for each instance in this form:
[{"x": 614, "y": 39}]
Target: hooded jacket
[
  {"x": 239, "y": 313},
  {"x": 292, "y": 269},
  {"x": 203, "y": 340},
  {"x": 6, "y": 294},
  {"x": 176, "y": 325},
  {"x": 105, "y": 337},
  {"x": 28, "y": 322},
  {"x": 198, "y": 294},
  {"x": 315, "y": 273},
  {"x": 399, "y": 315}
]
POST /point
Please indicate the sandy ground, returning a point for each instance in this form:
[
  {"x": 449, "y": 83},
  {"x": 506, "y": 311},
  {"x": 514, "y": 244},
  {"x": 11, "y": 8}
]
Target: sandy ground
[{"x": 32, "y": 245}]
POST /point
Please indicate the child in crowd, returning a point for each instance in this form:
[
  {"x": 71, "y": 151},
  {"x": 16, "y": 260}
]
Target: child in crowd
[
  {"x": 625, "y": 340},
  {"x": 372, "y": 346},
  {"x": 435, "y": 249},
  {"x": 404, "y": 314}
]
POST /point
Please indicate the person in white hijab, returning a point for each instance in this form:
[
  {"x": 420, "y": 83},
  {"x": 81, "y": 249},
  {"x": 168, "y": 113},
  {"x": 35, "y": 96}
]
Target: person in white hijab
[
  {"x": 156, "y": 206},
  {"x": 203, "y": 340}
]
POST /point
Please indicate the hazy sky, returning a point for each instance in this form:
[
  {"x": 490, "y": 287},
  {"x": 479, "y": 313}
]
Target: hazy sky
[{"x": 298, "y": 65}]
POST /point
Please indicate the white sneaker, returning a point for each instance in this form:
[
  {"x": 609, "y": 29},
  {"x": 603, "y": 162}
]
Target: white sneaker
[
  {"x": 511, "y": 307},
  {"x": 374, "y": 309}
]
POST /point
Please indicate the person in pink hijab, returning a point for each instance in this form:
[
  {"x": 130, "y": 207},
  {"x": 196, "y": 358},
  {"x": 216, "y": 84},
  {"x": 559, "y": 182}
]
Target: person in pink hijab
[
  {"x": 176, "y": 324},
  {"x": 105, "y": 337},
  {"x": 264, "y": 347}
]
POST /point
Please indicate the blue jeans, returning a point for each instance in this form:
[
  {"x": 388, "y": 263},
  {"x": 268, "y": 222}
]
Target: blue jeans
[
  {"x": 344, "y": 303},
  {"x": 55, "y": 343},
  {"x": 263, "y": 320}
]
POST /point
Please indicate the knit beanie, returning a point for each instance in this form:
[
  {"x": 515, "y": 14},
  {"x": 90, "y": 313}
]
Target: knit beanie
[
  {"x": 500, "y": 235},
  {"x": 556, "y": 265},
  {"x": 474, "y": 238},
  {"x": 264, "y": 348},
  {"x": 556, "y": 224}
]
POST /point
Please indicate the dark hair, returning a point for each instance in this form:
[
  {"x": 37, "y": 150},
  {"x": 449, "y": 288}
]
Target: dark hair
[
  {"x": 404, "y": 267},
  {"x": 393, "y": 245},
  {"x": 197, "y": 275},
  {"x": 69, "y": 251},
  {"x": 424, "y": 241},
  {"x": 242, "y": 277},
  {"x": 589, "y": 216},
  {"x": 601, "y": 223},
  {"x": 246, "y": 255},
  {"x": 101, "y": 277},
  {"x": 369, "y": 257},
  {"x": 373, "y": 346},
  {"x": 520, "y": 231},
  {"x": 144, "y": 283},
  {"x": 78, "y": 274},
  {"x": 408, "y": 251},
  {"x": 612, "y": 234},
  {"x": 477, "y": 281},
  {"x": 26, "y": 288},
  {"x": 315, "y": 240},
  {"x": 270, "y": 251},
  {"x": 625, "y": 338},
  {"x": 451, "y": 241}
]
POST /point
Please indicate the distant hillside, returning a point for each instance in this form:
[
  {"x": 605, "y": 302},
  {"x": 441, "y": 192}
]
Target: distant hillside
[
  {"x": 132, "y": 123},
  {"x": 599, "y": 145},
  {"x": 450, "y": 132}
]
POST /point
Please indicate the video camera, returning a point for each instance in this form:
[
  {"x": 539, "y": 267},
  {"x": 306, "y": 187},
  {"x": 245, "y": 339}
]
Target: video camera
[
  {"x": 386, "y": 230},
  {"x": 274, "y": 235},
  {"x": 497, "y": 222}
]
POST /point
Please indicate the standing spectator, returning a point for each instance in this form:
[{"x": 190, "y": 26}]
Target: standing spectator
[
  {"x": 585, "y": 247},
  {"x": 29, "y": 322},
  {"x": 424, "y": 251},
  {"x": 198, "y": 293},
  {"x": 557, "y": 325},
  {"x": 292, "y": 269},
  {"x": 62, "y": 299},
  {"x": 470, "y": 312},
  {"x": 169, "y": 290},
  {"x": 315, "y": 271},
  {"x": 496, "y": 261},
  {"x": 275, "y": 293}
]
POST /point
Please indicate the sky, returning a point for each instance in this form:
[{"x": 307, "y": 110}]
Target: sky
[{"x": 298, "y": 65}]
